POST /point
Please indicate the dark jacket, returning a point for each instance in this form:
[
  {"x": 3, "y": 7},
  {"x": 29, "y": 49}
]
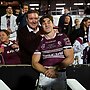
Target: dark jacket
[
  {"x": 28, "y": 42},
  {"x": 21, "y": 20},
  {"x": 61, "y": 20}
]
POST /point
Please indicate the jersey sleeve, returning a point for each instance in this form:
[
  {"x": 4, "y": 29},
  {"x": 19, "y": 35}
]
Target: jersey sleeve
[
  {"x": 38, "y": 50},
  {"x": 66, "y": 42}
]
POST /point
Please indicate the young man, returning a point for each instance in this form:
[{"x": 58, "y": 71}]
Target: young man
[
  {"x": 8, "y": 22},
  {"x": 56, "y": 52}
]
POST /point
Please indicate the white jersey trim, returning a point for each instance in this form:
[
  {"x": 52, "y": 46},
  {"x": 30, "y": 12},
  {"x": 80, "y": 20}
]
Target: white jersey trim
[{"x": 37, "y": 52}]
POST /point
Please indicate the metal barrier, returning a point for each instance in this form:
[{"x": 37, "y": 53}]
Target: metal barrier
[
  {"x": 81, "y": 73},
  {"x": 3, "y": 86},
  {"x": 15, "y": 75},
  {"x": 74, "y": 84}
]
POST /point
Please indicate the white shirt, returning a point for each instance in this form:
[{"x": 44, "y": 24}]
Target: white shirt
[
  {"x": 30, "y": 29},
  {"x": 13, "y": 25},
  {"x": 78, "y": 49},
  {"x": 89, "y": 34}
]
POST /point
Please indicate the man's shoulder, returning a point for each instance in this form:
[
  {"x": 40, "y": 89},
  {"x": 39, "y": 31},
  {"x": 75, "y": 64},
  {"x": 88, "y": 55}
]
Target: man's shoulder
[
  {"x": 3, "y": 16},
  {"x": 60, "y": 34},
  {"x": 13, "y": 16},
  {"x": 23, "y": 29}
]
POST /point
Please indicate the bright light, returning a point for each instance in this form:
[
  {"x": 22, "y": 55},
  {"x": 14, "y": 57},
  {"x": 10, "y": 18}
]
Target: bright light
[
  {"x": 32, "y": 8},
  {"x": 78, "y": 3},
  {"x": 37, "y": 8},
  {"x": 88, "y": 3},
  {"x": 34, "y": 4},
  {"x": 60, "y": 8},
  {"x": 60, "y": 4}
]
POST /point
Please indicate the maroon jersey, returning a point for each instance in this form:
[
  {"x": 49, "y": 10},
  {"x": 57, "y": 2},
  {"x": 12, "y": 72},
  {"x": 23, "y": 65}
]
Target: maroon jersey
[
  {"x": 52, "y": 49},
  {"x": 10, "y": 55}
]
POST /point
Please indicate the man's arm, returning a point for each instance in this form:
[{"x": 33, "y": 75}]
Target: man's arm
[
  {"x": 49, "y": 72},
  {"x": 36, "y": 64},
  {"x": 69, "y": 54},
  {"x": 19, "y": 18}
]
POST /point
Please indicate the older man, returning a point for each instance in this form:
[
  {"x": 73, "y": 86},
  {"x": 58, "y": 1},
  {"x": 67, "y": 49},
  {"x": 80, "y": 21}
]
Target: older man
[{"x": 28, "y": 39}]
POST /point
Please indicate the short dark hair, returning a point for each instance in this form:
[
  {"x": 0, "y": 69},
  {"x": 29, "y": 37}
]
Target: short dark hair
[
  {"x": 31, "y": 11},
  {"x": 4, "y": 30},
  {"x": 9, "y": 6},
  {"x": 46, "y": 16},
  {"x": 84, "y": 20},
  {"x": 25, "y": 4}
]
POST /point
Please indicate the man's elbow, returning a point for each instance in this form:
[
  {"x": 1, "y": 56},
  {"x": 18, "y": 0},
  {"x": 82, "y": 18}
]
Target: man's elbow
[
  {"x": 72, "y": 60},
  {"x": 33, "y": 65}
]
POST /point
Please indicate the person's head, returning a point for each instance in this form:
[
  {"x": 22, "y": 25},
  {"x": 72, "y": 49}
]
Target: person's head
[
  {"x": 66, "y": 10},
  {"x": 32, "y": 18},
  {"x": 85, "y": 22},
  {"x": 67, "y": 19},
  {"x": 46, "y": 22},
  {"x": 17, "y": 11},
  {"x": 9, "y": 10},
  {"x": 25, "y": 8},
  {"x": 4, "y": 36},
  {"x": 77, "y": 22}
]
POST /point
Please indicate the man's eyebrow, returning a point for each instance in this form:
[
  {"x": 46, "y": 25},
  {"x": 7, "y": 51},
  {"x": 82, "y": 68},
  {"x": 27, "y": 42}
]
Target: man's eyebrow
[{"x": 48, "y": 20}]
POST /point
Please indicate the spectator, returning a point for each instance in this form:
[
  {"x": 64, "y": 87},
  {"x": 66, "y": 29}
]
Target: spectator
[
  {"x": 57, "y": 54},
  {"x": 77, "y": 24},
  {"x": 83, "y": 37},
  {"x": 9, "y": 49},
  {"x": 66, "y": 28},
  {"x": 84, "y": 27},
  {"x": 79, "y": 47},
  {"x": 17, "y": 11},
  {"x": 62, "y": 18},
  {"x": 21, "y": 19},
  {"x": 8, "y": 22},
  {"x": 75, "y": 31},
  {"x": 1, "y": 57},
  {"x": 28, "y": 39}
]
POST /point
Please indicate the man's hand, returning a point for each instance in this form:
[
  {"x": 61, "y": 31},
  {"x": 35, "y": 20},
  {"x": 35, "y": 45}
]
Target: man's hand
[
  {"x": 15, "y": 46},
  {"x": 1, "y": 49},
  {"x": 51, "y": 73}
]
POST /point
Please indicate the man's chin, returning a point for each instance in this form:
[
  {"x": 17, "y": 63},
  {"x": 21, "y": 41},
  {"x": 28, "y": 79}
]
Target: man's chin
[
  {"x": 33, "y": 27},
  {"x": 47, "y": 32}
]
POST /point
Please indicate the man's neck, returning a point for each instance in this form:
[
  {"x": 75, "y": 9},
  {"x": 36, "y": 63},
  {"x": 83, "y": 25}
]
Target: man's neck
[
  {"x": 9, "y": 14},
  {"x": 32, "y": 29},
  {"x": 50, "y": 35}
]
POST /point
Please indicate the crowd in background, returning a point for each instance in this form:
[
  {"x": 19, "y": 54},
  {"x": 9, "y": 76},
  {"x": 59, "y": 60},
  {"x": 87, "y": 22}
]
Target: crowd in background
[
  {"x": 21, "y": 33},
  {"x": 13, "y": 20}
]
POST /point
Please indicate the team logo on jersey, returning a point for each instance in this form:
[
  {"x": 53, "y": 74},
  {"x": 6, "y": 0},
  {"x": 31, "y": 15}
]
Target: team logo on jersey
[
  {"x": 43, "y": 46},
  {"x": 59, "y": 43}
]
